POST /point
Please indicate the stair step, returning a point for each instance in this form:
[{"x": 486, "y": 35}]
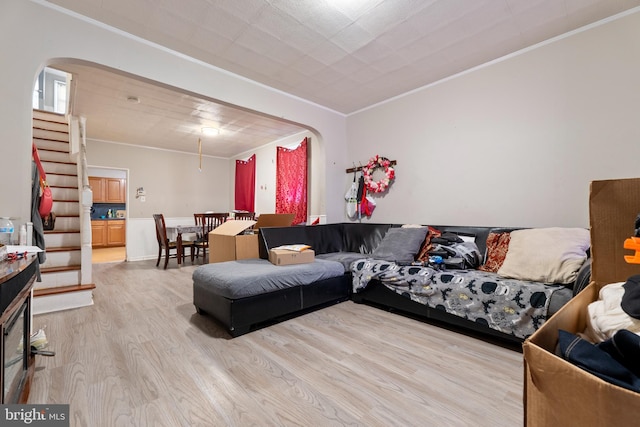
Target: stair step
[
  {"x": 60, "y": 174},
  {"x": 76, "y": 297},
  {"x": 65, "y": 208},
  {"x": 49, "y": 116},
  {"x": 61, "y": 260},
  {"x": 60, "y": 269},
  {"x": 58, "y": 162},
  {"x": 64, "y": 249},
  {"x": 56, "y": 279},
  {"x": 51, "y": 150},
  {"x": 48, "y": 125},
  {"x": 65, "y": 194},
  {"x": 56, "y": 180},
  {"x": 57, "y": 156},
  {"x": 60, "y": 168},
  {"x": 51, "y": 135},
  {"x": 61, "y": 238},
  {"x": 65, "y": 223},
  {"x": 63, "y": 289},
  {"x": 44, "y": 144}
]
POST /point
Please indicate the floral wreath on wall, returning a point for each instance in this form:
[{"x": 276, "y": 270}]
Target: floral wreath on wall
[{"x": 367, "y": 171}]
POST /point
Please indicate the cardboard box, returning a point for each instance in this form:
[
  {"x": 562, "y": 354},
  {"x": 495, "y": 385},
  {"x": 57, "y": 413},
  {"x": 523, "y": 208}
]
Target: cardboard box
[
  {"x": 556, "y": 392},
  {"x": 287, "y": 257},
  {"x": 271, "y": 220},
  {"x": 274, "y": 220},
  {"x": 227, "y": 243}
]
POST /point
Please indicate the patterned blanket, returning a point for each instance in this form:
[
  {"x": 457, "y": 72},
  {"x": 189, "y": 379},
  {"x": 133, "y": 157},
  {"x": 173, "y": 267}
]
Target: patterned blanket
[{"x": 510, "y": 306}]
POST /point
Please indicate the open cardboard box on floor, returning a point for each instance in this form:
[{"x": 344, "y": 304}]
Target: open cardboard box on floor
[
  {"x": 556, "y": 392},
  {"x": 238, "y": 239}
]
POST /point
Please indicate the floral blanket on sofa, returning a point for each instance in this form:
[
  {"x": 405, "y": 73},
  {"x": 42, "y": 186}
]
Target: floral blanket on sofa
[{"x": 510, "y": 306}]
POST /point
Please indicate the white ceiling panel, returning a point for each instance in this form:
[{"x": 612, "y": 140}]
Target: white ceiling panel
[{"x": 342, "y": 54}]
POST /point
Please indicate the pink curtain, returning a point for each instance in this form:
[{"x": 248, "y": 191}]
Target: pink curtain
[
  {"x": 291, "y": 181},
  {"x": 246, "y": 184}
]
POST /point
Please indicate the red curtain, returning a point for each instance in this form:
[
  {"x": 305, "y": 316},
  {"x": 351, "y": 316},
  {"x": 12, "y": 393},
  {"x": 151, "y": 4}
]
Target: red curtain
[
  {"x": 291, "y": 181},
  {"x": 246, "y": 184}
]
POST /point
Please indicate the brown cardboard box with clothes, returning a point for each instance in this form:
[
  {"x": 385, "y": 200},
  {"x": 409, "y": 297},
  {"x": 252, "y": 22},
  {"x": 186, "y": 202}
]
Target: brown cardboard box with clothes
[{"x": 557, "y": 392}]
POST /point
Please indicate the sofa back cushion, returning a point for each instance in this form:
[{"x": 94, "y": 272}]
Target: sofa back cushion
[
  {"x": 548, "y": 255},
  {"x": 325, "y": 238},
  {"x": 400, "y": 244},
  {"x": 363, "y": 237}
]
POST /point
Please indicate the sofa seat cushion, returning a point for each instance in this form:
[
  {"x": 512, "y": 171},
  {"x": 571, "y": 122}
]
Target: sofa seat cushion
[
  {"x": 249, "y": 277},
  {"x": 510, "y": 306},
  {"x": 344, "y": 258}
]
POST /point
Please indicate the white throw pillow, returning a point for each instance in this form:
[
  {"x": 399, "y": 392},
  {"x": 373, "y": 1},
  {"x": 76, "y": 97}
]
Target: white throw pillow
[{"x": 548, "y": 255}]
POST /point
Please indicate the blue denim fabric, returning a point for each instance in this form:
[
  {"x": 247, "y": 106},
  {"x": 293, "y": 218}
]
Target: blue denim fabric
[
  {"x": 631, "y": 299},
  {"x": 624, "y": 346},
  {"x": 595, "y": 360}
]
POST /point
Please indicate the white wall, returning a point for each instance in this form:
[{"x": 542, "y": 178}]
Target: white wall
[
  {"x": 516, "y": 142},
  {"x": 106, "y": 172},
  {"x": 173, "y": 184},
  {"x": 32, "y": 33}
]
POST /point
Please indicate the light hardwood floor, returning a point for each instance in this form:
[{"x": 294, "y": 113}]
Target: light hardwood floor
[
  {"x": 141, "y": 356},
  {"x": 116, "y": 254}
]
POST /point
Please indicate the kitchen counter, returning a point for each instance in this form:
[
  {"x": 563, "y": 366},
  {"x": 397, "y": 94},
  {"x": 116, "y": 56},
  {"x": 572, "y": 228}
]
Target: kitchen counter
[{"x": 107, "y": 219}]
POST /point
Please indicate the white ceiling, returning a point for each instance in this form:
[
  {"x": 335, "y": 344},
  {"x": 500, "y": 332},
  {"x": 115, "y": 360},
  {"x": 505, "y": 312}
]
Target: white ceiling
[
  {"x": 343, "y": 54},
  {"x": 163, "y": 117}
]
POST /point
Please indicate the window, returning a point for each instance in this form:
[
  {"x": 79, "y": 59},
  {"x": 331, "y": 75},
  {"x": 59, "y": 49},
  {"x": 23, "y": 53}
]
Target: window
[{"x": 50, "y": 91}]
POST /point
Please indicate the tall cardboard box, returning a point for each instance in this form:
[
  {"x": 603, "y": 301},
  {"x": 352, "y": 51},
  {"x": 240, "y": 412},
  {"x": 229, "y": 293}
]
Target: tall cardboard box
[
  {"x": 227, "y": 241},
  {"x": 556, "y": 392}
]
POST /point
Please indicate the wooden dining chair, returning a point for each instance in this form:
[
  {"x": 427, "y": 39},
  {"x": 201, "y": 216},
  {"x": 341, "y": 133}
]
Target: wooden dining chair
[
  {"x": 208, "y": 221},
  {"x": 169, "y": 245},
  {"x": 245, "y": 215}
]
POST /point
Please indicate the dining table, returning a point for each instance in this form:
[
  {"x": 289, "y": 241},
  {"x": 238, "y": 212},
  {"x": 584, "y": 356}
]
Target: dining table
[{"x": 178, "y": 231}]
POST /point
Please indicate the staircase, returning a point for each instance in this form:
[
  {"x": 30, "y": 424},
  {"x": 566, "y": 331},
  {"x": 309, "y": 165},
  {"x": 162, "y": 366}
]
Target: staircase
[{"x": 61, "y": 287}]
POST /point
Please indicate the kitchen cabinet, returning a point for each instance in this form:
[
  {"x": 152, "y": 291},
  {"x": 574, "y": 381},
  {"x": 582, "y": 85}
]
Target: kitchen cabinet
[
  {"x": 98, "y": 234},
  {"x": 97, "y": 187},
  {"x": 108, "y": 190},
  {"x": 116, "y": 233},
  {"x": 107, "y": 233}
]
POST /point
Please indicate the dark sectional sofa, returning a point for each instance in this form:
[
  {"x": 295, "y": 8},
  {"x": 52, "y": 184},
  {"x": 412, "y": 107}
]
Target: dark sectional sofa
[{"x": 340, "y": 242}]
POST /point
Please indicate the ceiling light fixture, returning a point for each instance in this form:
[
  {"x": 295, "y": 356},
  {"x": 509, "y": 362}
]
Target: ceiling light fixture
[
  {"x": 133, "y": 99},
  {"x": 209, "y": 131}
]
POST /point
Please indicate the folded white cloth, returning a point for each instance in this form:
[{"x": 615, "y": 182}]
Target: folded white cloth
[{"x": 605, "y": 316}]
